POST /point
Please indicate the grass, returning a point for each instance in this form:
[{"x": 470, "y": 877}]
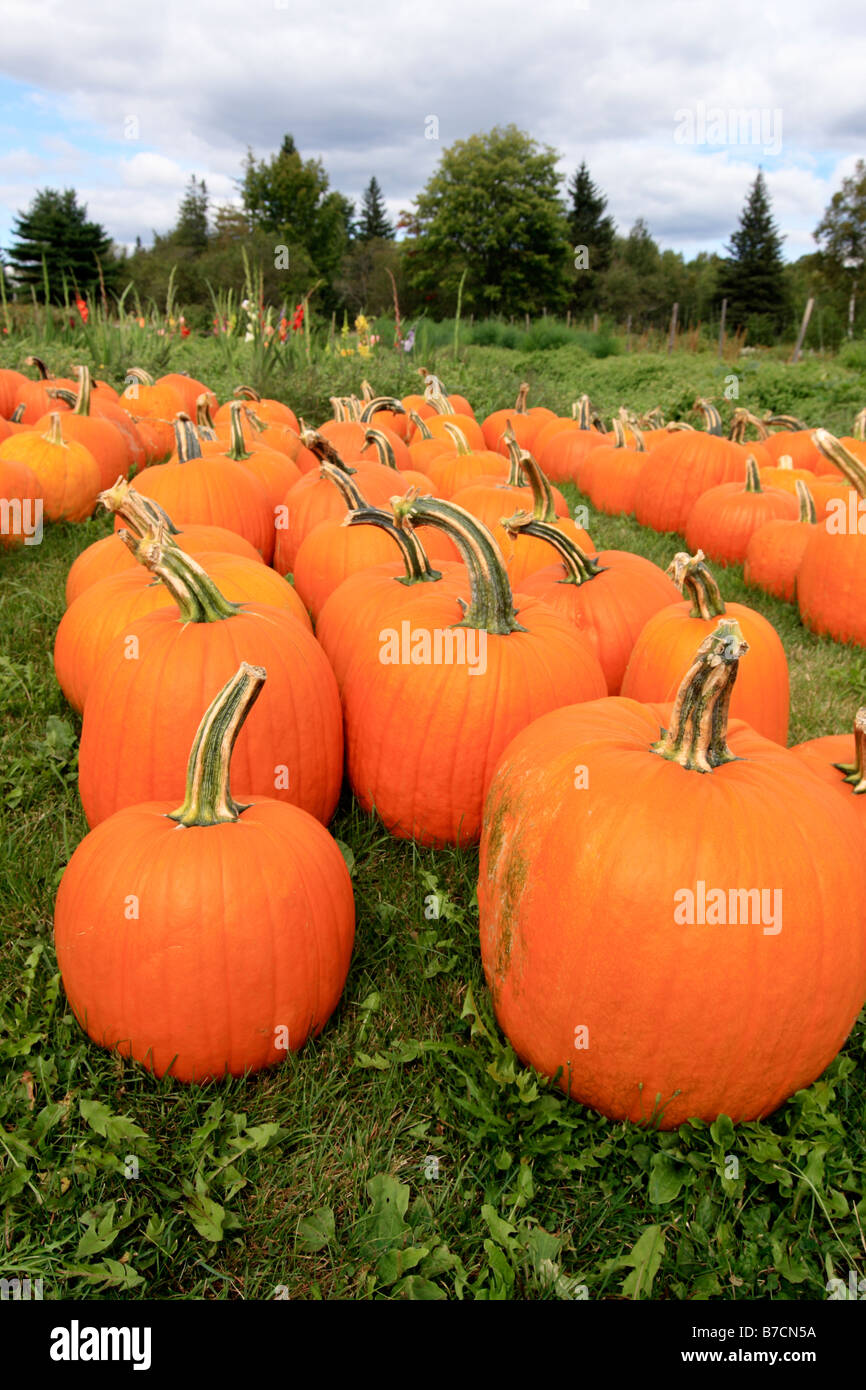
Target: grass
[{"x": 406, "y": 1153}]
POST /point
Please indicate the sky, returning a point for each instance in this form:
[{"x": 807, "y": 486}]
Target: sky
[{"x": 673, "y": 104}]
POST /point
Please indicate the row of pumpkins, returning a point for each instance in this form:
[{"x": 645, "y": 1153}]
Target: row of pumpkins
[{"x": 592, "y": 729}]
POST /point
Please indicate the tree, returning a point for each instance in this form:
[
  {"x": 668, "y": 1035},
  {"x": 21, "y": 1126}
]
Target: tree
[
  {"x": 191, "y": 229},
  {"x": 591, "y": 230},
  {"x": 752, "y": 278},
  {"x": 289, "y": 198},
  {"x": 373, "y": 222},
  {"x": 55, "y": 232},
  {"x": 841, "y": 237},
  {"x": 492, "y": 209}
]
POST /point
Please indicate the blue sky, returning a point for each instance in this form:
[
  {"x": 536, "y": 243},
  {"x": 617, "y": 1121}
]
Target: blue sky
[{"x": 124, "y": 106}]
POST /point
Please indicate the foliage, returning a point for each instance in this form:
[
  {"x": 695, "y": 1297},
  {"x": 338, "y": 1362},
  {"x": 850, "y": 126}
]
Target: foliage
[
  {"x": 373, "y": 223},
  {"x": 57, "y": 249},
  {"x": 752, "y": 278},
  {"x": 590, "y": 229},
  {"x": 491, "y": 209}
]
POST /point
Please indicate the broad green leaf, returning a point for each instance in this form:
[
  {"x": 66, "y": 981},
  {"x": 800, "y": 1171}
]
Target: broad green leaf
[{"x": 316, "y": 1231}]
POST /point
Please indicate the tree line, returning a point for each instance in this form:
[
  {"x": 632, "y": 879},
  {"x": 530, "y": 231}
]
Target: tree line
[{"x": 492, "y": 224}]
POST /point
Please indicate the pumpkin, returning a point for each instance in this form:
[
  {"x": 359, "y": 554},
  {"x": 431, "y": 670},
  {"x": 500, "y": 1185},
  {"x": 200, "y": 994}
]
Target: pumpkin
[
  {"x": 37, "y": 397},
  {"x": 211, "y": 491},
  {"x": 775, "y": 552},
  {"x": 144, "y": 398},
  {"x": 424, "y": 447},
  {"x": 21, "y": 505},
  {"x": 429, "y": 707},
  {"x": 830, "y": 577},
  {"x": 387, "y": 412},
  {"x": 142, "y": 703},
  {"x": 213, "y": 951},
  {"x": 490, "y": 498},
  {"x": 679, "y": 470},
  {"x": 271, "y": 411},
  {"x": 724, "y": 518},
  {"x": 106, "y": 609},
  {"x": 379, "y": 448},
  {"x": 11, "y": 383},
  {"x": 612, "y": 854},
  {"x": 383, "y": 595},
  {"x": 451, "y": 472},
  {"x": 274, "y": 469},
  {"x": 111, "y": 447},
  {"x": 761, "y": 695},
  {"x": 67, "y": 473},
  {"x": 520, "y": 422},
  {"x": 189, "y": 390},
  {"x": 609, "y": 474},
  {"x": 609, "y": 597}
]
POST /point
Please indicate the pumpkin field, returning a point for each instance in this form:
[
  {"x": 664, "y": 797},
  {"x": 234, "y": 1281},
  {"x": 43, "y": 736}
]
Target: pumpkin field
[{"x": 431, "y": 854}]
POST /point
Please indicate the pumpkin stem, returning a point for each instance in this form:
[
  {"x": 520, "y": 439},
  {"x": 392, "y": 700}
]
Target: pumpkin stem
[
  {"x": 847, "y": 463},
  {"x": 753, "y": 476},
  {"x": 420, "y": 425},
  {"x": 15, "y": 417},
  {"x": 186, "y": 440},
  {"x": 324, "y": 450},
  {"x": 491, "y": 606},
  {"x": 543, "y": 505},
  {"x": 418, "y": 569},
  {"x": 697, "y": 738},
  {"x": 54, "y": 433},
  {"x": 581, "y": 411},
  {"x": 808, "y": 512},
  {"x": 204, "y": 418},
  {"x": 246, "y": 393},
  {"x": 515, "y": 473},
  {"x": 381, "y": 403},
  {"x": 192, "y": 589},
  {"x": 237, "y": 449},
  {"x": 44, "y": 374},
  {"x": 693, "y": 576},
  {"x": 367, "y": 392},
  {"x": 617, "y": 429},
  {"x": 139, "y": 376},
  {"x": 860, "y": 424},
  {"x": 459, "y": 438},
  {"x": 522, "y": 394},
  {"x": 579, "y": 567},
  {"x": 383, "y": 446},
  {"x": 139, "y": 512},
  {"x": 208, "y": 799},
  {"x": 855, "y": 773},
  {"x": 346, "y": 484},
  {"x": 712, "y": 418},
  {"x": 740, "y": 422},
  {"x": 784, "y": 422}
]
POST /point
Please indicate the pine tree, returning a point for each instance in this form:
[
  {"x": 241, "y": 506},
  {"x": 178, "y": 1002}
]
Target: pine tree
[
  {"x": 373, "y": 221},
  {"x": 588, "y": 228},
  {"x": 752, "y": 278},
  {"x": 191, "y": 228},
  {"x": 55, "y": 234}
]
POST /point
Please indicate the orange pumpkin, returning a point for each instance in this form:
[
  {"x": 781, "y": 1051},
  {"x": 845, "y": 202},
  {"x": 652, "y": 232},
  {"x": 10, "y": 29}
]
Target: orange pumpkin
[{"x": 66, "y": 471}]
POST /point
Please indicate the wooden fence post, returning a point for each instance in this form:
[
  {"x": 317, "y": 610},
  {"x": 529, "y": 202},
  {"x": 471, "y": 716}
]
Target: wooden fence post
[
  {"x": 802, "y": 334},
  {"x": 673, "y": 332}
]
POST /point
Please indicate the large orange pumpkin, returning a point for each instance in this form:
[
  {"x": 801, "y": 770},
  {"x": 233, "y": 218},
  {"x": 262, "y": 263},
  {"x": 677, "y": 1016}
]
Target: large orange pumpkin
[
  {"x": 830, "y": 577},
  {"x": 212, "y": 937},
  {"x": 66, "y": 471},
  {"x": 659, "y": 930},
  {"x": 724, "y": 518},
  {"x": 775, "y": 552}
]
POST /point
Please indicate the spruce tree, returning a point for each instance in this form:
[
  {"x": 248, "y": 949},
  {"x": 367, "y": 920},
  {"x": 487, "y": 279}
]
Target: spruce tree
[
  {"x": 588, "y": 227},
  {"x": 373, "y": 221},
  {"x": 191, "y": 228},
  {"x": 752, "y": 278},
  {"x": 56, "y": 234}
]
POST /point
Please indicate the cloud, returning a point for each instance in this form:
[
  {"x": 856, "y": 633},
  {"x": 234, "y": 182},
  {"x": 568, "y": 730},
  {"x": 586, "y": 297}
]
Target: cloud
[{"x": 601, "y": 81}]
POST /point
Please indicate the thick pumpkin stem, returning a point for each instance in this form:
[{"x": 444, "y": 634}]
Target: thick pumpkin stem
[
  {"x": 204, "y": 421},
  {"x": 324, "y": 450},
  {"x": 515, "y": 473},
  {"x": 346, "y": 485},
  {"x": 208, "y": 799},
  {"x": 44, "y": 374},
  {"x": 697, "y": 738},
  {"x": 808, "y": 511},
  {"x": 381, "y": 403},
  {"x": 855, "y": 773},
  {"x": 418, "y": 568},
  {"x": 138, "y": 512},
  {"x": 522, "y": 395},
  {"x": 457, "y": 435},
  {"x": 617, "y": 429},
  {"x": 139, "y": 376},
  {"x": 435, "y": 393},
  {"x": 491, "y": 606},
  {"x": 186, "y": 441},
  {"x": 54, "y": 433},
  {"x": 693, "y": 576},
  {"x": 420, "y": 425},
  {"x": 237, "y": 449},
  {"x": 740, "y": 422},
  {"x": 753, "y": 476},
  {"x": 543, "y": 505},
  {"x": 712, "y": 418},
  {"x": 192, "y": 589},
  {"x": 579, "y": 567},
  {"x": 860, "y": 424},
  {"x": 246, "y": 393},
  {"x": 383, "y": 446},
  {"x": 367, "y": 392},
  {"x": 847, "y": 463},
  {"x": 674, "y": 425},
  {"x": 581, "y": 411},
  {"x": 784, "y": 422}
]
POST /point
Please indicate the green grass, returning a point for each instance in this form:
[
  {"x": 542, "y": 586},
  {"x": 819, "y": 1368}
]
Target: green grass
[{"x": 406, "y": 1152}]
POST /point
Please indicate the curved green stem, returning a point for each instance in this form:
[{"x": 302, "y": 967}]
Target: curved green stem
[
  {"x": 208, "y": 799},
  {"x": 346, "y": 485},
  {"x": 246, "y": 393},
  {"x": 491, "y": 607},
  {"x": 457, "y": 435},
  {"x": 418, "y": 568},
  {"x": 855, "y": 773},
  {"x": 324, "y": 450},
  {"x": 693, "y": 576},
  {"x": 847, "y": 463},
  {"x": 193, "y": 590},
  {"x": 579, "y": 567},
  {"x": 139, "y": 375},
  {"x": 420, "y": 425},
  {"x": 712, "y": 418},
  {"x": 753, "y": 476},
  {"x": 204, "y": 421},
  {"x": 697, "y": 738},
  {"x": 381, "y": 403},
  {"x": 237, "y": 449},
  {"x": 139, "y": 512},
  {"x": 186, "y": 441},
  {"x": 383, "y": 446},
  {"x": 808, "y": 511}
]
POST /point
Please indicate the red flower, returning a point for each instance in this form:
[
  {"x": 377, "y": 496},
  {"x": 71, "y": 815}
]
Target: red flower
[
  {"x": 298, "y": 320},
  {"x": 184, "y": 331},
  {"x": 83, "y": 310}
]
